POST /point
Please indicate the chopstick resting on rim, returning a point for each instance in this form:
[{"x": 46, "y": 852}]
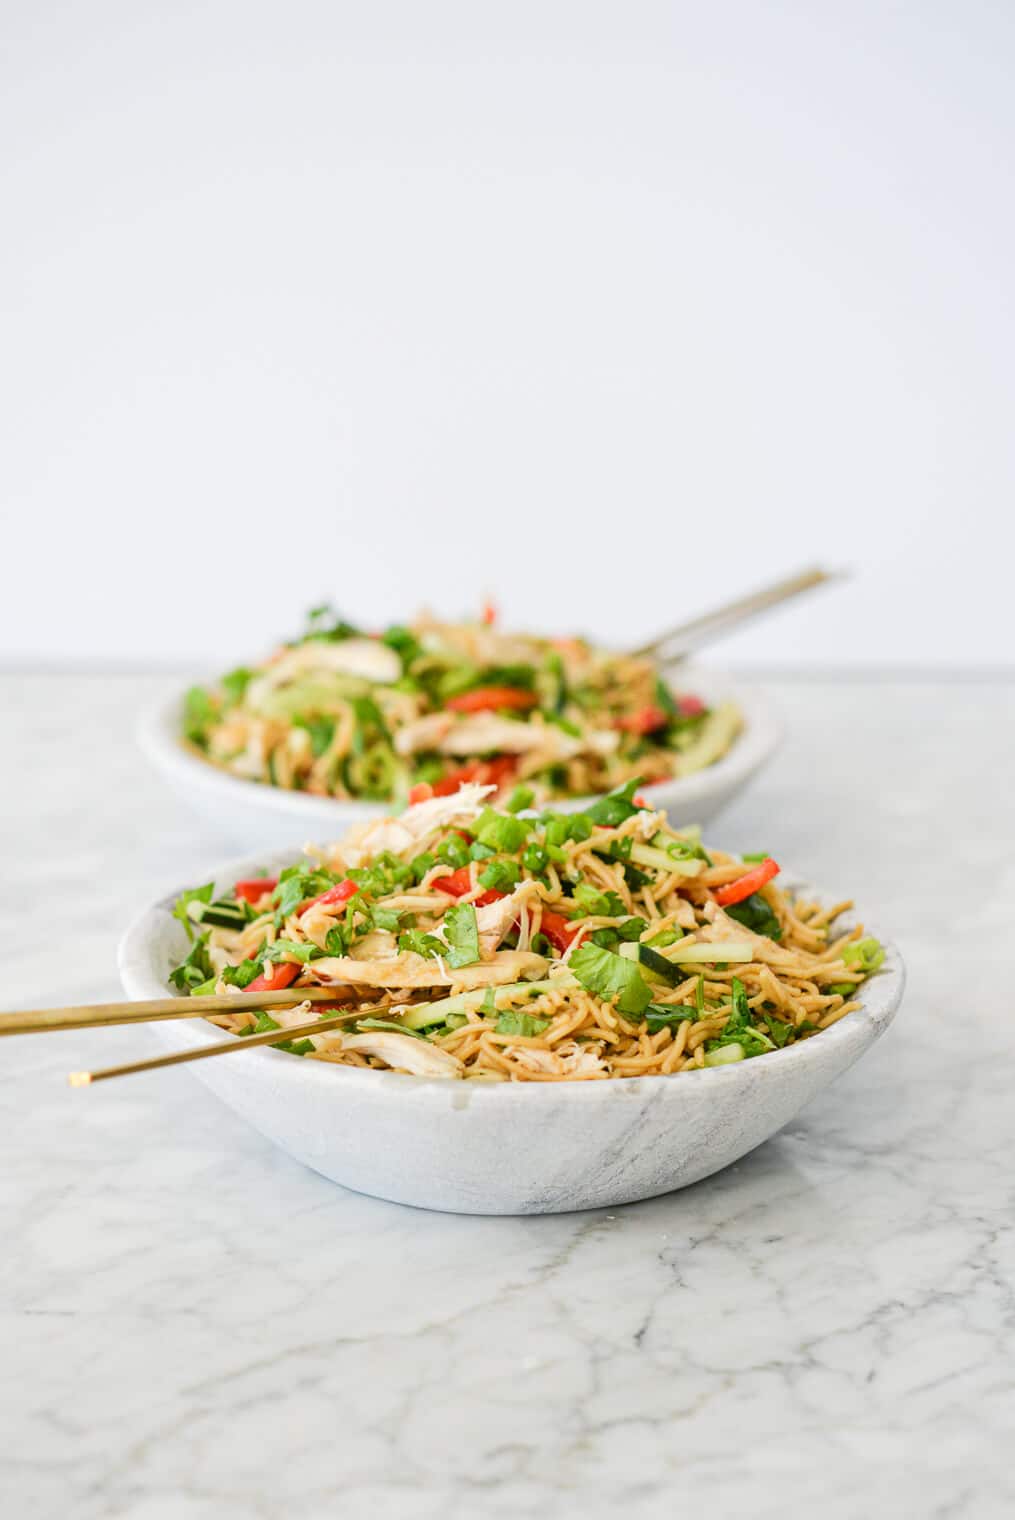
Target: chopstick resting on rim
[
  {"x": 222, "y": 1048},
  {"x": 678, "y": 642},
  {"x": 102, "y": 1015}
]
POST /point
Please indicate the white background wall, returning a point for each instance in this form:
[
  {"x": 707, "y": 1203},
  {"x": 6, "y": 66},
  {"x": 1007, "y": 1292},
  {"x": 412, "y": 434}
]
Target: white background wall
[{"x": 609, "y": 309}]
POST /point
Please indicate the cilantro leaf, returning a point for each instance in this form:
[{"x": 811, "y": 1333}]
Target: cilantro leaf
[
  {"x": 421, "y": 944},
  {"x": 462, "y": 933},
  {"x": 617, "y": 805}
]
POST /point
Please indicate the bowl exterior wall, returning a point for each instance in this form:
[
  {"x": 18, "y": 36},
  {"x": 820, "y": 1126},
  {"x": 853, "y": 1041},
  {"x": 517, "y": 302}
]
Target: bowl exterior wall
[{"x": 478, "y": 1148}]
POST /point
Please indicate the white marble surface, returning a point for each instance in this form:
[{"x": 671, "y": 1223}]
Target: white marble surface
[{"x": 192, "y": 1327}]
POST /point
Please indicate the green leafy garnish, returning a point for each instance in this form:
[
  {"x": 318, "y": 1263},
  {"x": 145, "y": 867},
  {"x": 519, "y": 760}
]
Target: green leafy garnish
[
  {"x": 234, "y": 685},
  {"x": 336, "y": 941},
  {"x": 666, "y": 1015},
  {"x": 755, "y": 914},
  {"x": 243, "y": 974},
  {"x": 295, "y": 885},
  {"x": 385, "y": 918},
  {"x": 610, "y": 977},
  {"x": 462, "y": 933},
  {"x": 422, "y": 944},
  {"x": 389, "y": 1024},
  {"x": 198, "y": 714},
  {"x": 197, "y": 968},
  {"x": 616, "y": 806},
  {"x": 525, "y": 1024},
  {"x": 197, "y": 894},
  {"x": 293, "y": 950},
  {"x": 594, "y": 903},
  {"x": 421, "y": 864}
]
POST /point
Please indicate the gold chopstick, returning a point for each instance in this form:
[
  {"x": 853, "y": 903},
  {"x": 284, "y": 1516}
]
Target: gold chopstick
[
  {"x": 100, "y": 1015},
  {"x": 223, "y": 1048},
  {"x": 721, "y": 620}
]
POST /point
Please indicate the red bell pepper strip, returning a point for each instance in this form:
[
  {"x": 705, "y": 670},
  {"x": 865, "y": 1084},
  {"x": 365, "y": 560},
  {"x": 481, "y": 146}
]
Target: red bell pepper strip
[
  {"x": 645, "y": 721},
  {"x": 337, "y": 894},
  {"x": 736, "y": 891},
  {"x": 489, "y": 613},
  {"x": 558, "y": 930},
  {"x": 487, "y": 772},
  {"x": 284, "y": 973},
  {"x": 460, "y": 882},
  {"x": 421, "y": 792},
  {"x": 255, "y": 888},
  {"x": 690, "y": 707},
  {"x": 457, "y": 884},
  {"x": 492, "y": 698}
]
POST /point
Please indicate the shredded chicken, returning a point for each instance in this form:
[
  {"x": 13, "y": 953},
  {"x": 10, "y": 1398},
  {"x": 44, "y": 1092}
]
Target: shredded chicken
[
  {"x": 404, "y": 1053},
  {"x": 399, "y": 834},
  {"x": 569, "y": 1059},
  {"x": 410, "y": 970},
  {"x": 486, "y": 733}
]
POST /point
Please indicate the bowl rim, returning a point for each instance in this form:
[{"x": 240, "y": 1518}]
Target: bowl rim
[
  {"x": 883, "y": 996},
  {"x": 158, "y": 736}
]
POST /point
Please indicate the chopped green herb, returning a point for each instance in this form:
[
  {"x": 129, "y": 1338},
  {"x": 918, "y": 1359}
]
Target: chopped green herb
[
  {"x": 609, "y": 976},
  {"x": 524, "y": 1024},
  {"x": 197, "y": 895},
  {"x": 500, "y": 876},
  {"x": 500, "y": 831},
  {"x": 462, "y": 933},
  {"x": 598, "y": 904},
  {"x": 755, "y": 914},
  {"x": 198, "y": 714},
  {"x": 535, "y": 858},
  {"x": 617, "y": 805}
]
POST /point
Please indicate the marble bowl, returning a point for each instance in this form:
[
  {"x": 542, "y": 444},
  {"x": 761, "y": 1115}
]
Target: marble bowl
[
  {"x": 252, "y": 813},
  {"x": 511, "y": 1148}
]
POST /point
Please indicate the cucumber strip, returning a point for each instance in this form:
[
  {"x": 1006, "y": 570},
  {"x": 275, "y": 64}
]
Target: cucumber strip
[
  {"x": 423, "y": 1015},
  {"x": 655, "y": 966},
  {"x": 716, "y": 735},
  {"x": 220, "y": 916},
  {"x": 725, "y": 1055},
  {"x": 659, "y": 860},
  {"x": 721, "y": 951}
]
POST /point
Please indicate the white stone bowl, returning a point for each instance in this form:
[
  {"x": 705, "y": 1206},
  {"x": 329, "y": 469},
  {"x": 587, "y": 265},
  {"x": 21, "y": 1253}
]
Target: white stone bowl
[
  {"x": 503, "y": 1148},
  {"x": 253, "y": 813}
]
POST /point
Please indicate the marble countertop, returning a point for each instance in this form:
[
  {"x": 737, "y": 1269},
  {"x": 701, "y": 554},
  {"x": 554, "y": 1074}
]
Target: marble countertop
[{"x": 193, "y": 1327}]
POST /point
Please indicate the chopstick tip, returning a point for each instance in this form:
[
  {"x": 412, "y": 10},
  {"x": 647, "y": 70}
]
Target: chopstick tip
[{"x": 80, "y": 1079}]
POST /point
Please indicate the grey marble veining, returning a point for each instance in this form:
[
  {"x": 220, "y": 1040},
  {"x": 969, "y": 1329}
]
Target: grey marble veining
[{"x": 192, "y": 1327}]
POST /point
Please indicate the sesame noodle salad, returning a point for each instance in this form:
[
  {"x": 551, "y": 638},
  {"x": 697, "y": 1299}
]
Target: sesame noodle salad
[
  {"x": 529, "y": 946},
  {"x": 416, "y": 711}
]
